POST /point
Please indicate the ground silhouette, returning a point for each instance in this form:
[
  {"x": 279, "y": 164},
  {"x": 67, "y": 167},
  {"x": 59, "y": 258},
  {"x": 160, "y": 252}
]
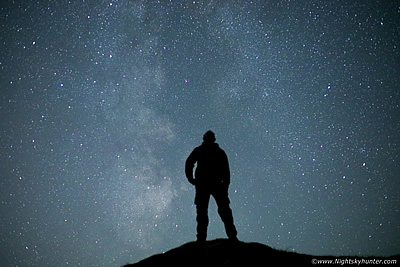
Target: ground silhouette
[{"x": 223, "y": 252}]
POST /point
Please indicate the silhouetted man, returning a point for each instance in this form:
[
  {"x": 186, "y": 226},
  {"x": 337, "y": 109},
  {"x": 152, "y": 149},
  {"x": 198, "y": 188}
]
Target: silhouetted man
[{"x": 212, "y": 177}]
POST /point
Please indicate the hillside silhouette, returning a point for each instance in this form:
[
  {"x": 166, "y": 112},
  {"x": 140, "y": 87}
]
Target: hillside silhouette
[{"x": 222, "y": 252}]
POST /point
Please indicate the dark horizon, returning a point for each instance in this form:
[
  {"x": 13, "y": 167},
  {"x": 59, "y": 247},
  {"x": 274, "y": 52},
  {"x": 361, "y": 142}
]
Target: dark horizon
[{"x": 225, "y": 252}]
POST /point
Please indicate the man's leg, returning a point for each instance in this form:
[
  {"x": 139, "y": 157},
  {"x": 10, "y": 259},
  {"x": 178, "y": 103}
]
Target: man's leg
[
  {"x": 225, "y": 213},
  {"x": 202, "y": 199}
]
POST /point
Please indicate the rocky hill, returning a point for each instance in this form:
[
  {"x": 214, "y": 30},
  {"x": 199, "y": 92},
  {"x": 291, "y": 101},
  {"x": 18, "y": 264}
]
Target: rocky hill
[{"x": 222, "y": 252}]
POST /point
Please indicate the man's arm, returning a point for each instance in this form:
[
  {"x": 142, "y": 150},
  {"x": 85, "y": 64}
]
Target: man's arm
[
  {"x": 189, "y": 165},
  {"x": 226, "y": 170}
]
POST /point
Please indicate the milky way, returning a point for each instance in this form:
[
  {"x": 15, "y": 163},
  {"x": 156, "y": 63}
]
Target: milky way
[{"x": 102, "y": 101}]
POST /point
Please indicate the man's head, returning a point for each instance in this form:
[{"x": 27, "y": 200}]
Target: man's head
[{"x": 209, "y": 137}]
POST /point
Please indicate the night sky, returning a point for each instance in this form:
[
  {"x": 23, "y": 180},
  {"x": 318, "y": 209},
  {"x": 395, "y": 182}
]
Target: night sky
[{"x": 102, "y": 102}]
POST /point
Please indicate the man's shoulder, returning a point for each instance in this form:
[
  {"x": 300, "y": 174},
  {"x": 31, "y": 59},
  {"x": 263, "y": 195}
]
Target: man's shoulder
[
  {"x": 213, "y": 146},
  {"x": 210, "y": 148},
  {"x": 196, "y": 150},
  {"x": 217, "y": 147}
]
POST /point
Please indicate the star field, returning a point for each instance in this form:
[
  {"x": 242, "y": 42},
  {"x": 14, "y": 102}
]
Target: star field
[{"x": 102, "y": 101}]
